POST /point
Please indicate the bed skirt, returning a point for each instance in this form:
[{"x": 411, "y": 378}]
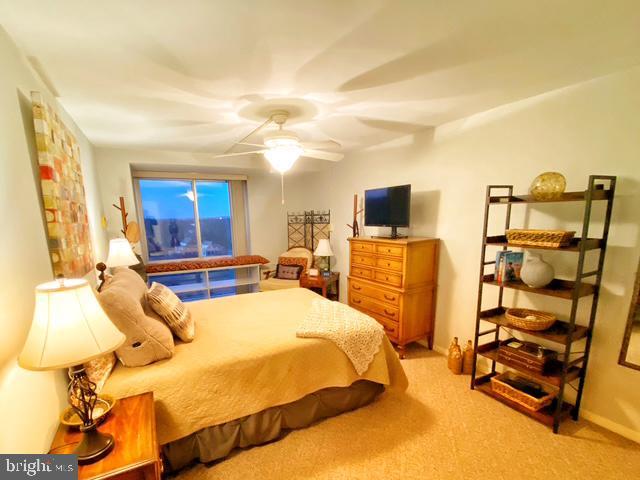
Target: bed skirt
[{"x": 216, "y": 442}]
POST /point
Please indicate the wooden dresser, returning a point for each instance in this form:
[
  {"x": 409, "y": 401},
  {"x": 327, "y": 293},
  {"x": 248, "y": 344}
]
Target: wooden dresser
[{"x": 394, "y": 281}]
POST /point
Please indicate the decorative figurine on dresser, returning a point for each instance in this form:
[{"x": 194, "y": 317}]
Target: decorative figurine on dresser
[{"x": 394, "y": 281}]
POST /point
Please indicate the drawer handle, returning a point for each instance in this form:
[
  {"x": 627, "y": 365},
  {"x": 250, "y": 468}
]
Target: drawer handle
[
  {"x": 386, "y": 278},
  {"x": 388, "y": 250},
  {"x": 389, "y": 297},
  {"x": 356, "y": 301},
  {"x": 386, "y": 329},
  {"x": 392, "y": 314},
  {"x": 355, "y": 287},
  {"x": 388, "y": 264}
]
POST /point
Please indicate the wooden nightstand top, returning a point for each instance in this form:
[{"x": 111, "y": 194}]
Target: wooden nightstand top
[
  {"x": 318, "y": 281},
  {"x": 132, "y": 423}
]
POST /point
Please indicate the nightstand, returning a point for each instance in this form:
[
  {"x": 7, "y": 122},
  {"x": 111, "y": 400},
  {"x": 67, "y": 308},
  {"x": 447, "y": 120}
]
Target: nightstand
[
  {"x": 136, "y": 454},
  {"x": 323, "y": 284}
]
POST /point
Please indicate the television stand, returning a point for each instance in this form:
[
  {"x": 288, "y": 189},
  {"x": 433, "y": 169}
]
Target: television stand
[{"x": 394, "y": 234}]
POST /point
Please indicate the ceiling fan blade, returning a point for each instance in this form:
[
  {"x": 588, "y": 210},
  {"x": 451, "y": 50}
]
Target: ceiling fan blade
[
  {"x": 331, "y": 156},
  {"x": 328, "y": 144},
  {"x": 237, "y": 154},
  {"x": 250, "y": 144}
]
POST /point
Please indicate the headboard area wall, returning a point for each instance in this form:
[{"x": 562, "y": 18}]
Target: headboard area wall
[{"x": 24, "y": 254}]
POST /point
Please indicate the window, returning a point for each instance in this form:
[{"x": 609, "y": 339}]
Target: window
[{"x": 191, "y": 218}]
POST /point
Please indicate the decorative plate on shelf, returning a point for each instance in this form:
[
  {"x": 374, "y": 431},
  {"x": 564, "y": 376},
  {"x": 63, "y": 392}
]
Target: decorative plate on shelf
[{"x": 103, "y": 406}]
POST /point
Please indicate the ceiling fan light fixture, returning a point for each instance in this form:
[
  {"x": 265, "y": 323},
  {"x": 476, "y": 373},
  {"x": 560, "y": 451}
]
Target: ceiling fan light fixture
[{"x": 282, "y": 157}]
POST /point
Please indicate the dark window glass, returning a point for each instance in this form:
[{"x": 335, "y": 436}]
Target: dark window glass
[
  {"x": 214, "y": 211},
  {"x": 169, "y": 219}
]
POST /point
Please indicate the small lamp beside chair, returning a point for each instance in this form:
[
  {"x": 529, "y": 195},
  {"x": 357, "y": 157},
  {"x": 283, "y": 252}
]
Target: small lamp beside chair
[
  {"x": 68, "y": 329},
  {"x": 323, "y": 250}
]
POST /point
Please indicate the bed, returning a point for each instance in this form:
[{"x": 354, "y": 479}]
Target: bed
[{"x": 246, "y": 377}]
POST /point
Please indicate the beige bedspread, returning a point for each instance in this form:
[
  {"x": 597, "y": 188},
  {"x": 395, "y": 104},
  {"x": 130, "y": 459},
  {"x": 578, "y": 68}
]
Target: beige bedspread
[{"x": 245, "y": 358}]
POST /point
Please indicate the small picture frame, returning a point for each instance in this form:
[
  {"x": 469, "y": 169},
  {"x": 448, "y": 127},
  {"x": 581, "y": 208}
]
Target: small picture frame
[{"x": 313, "y": 272}]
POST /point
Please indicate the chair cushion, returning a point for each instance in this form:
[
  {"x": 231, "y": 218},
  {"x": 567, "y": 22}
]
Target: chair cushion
[
  {"x": 278, "y": 284},
  {"x": 172, "y": 310},
  {"x": 288, "y": 272},
  {"x": 125, "y": 303},
  {"x": 296, "y": 261}
]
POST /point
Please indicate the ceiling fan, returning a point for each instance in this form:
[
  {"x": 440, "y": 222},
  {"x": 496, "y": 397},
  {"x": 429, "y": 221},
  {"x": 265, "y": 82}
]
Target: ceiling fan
[{"x": 282, "y": 148}]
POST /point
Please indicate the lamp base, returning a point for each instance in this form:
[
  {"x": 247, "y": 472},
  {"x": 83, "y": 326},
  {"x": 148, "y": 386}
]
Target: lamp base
[{"x": 94, "y": 446}]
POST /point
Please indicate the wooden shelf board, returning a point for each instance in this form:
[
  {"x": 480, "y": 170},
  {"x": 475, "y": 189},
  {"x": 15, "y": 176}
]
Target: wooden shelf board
[
  {"x": 544, "y": 415},
  {"x": 552, "y": 379},
  {"x": 600, "y": 194},
  {"x": 557, "y": 288},
  {"x": 574, "y": 246},
  {"x": 217, "y": 284},
  {"x": 557, "y": 333},
  {"x": 188, "y": 288}
]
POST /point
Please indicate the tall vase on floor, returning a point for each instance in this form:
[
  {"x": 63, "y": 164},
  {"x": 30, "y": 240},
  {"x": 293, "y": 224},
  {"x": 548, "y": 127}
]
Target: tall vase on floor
[{"x": 455, "y": 357}]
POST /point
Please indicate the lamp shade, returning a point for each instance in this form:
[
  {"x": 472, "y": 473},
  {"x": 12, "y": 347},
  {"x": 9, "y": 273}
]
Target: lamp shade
[
  {"x": 69, "y": 327},
  {"x": 120, "y": 253},
  {"x": 323, "y": 249},
  {"x": 282, "y": 152}
]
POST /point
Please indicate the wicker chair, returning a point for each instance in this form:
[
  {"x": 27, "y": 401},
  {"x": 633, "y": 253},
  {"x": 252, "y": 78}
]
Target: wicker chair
[{"x": 271, "y": 283}]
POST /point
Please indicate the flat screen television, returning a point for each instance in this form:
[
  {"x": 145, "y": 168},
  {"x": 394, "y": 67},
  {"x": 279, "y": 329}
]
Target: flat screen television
[{"x": 388, "y": 207}]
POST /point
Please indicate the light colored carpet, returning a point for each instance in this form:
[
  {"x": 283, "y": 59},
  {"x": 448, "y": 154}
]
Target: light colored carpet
[{"x": 439, "y": 429}]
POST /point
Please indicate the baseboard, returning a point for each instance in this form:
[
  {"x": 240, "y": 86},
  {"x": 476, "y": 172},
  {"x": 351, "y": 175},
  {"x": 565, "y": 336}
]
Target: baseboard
[
  {"x": 610, "y": 425},
  {"x": 599, "y": 420}
]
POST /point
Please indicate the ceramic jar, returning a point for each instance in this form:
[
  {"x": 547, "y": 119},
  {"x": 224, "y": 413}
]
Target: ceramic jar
[
  {"x": 467, "y": 358},
  {"x": 536, "y": 272},
  {"x": 455, "y": 357}
]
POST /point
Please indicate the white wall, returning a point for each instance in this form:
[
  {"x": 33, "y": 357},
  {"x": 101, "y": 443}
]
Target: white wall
[
  {"x": 30, "y": 402},
  {"x": 267, "y": 216},
  {"x": 589, "y": 128}
]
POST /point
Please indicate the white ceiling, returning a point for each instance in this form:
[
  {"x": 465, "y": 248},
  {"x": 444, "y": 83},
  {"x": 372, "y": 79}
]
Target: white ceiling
[{"x": 191, "y": 75}]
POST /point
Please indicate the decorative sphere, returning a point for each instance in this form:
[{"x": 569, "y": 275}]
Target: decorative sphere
[{"x": 548, "y": 186}]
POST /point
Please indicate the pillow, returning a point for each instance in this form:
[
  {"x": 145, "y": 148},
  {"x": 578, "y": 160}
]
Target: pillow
[
  {"x": 99, "y": 369},
  {"x": 294, "y": 261},
  {"x": 172, "y": 310},
  {"x": 148, "y": 337},
  {"x": 288, "y": 272}
]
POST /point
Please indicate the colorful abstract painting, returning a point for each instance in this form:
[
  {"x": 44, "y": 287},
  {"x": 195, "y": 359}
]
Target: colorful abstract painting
[{"x": 63, "y": 193}]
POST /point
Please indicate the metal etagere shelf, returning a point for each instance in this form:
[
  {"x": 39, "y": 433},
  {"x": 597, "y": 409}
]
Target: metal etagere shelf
[{"x": 566, "y": 333}]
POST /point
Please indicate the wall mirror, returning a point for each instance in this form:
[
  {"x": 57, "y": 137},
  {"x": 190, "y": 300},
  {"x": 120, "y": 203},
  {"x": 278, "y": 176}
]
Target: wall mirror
[{"x": 630, "y": 352}]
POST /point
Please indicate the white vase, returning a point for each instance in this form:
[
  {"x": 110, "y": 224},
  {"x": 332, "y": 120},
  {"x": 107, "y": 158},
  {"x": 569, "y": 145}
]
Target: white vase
[{"x": 536, "y": 272}]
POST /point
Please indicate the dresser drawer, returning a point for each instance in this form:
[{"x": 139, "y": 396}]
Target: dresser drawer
[
  {"x": 362, "y": 272},
  {"x": 392, "y": 250},
  {"x": 391, "y": 328},
  {"x": 387, "y": 311},
  {"x": 389, "y": 264},
  {"x": 357, "y": 247},
  {"x": 366, "y": 260},
  {"x": 390, "y": 278},
  {"x": 377, "y": 293}
]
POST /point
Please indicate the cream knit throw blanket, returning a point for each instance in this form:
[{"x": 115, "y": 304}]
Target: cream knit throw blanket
[{"x": 358, "y": 335}]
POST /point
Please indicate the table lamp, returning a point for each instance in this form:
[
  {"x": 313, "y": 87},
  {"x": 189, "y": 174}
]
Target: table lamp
[
  {"x": 68, "y": 329},
  {"x": 324, "y": 250},
  {"x": 120, "y": 255}
]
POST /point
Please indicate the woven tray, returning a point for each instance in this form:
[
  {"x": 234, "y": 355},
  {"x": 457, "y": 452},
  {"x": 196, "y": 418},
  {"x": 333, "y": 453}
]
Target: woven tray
[
  {"x": 540, "y": 238},
  {"x": 519, "y": 397},
  {"x": 527, "y": 319}
]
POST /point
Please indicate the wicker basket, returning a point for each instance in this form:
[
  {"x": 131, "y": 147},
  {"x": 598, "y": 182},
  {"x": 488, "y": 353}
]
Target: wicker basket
[
  {"x": 540, "y": 238},
  {"x": 529, "y": 319},
  {"x": 519, "y": 397}
]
